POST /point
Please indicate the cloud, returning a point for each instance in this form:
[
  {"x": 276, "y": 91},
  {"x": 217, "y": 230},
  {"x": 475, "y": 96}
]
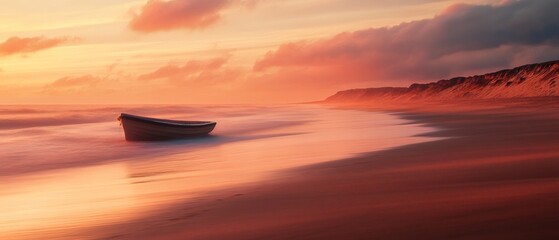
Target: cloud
[
  {"x": 106, "y": 80},
  {"x": 17, "y": 45},
  {"x": 71, "y": 82},
  {"x": 195, "y": 81},
  {"x": 159, "y": 15},
  {"x": 194, "y": 71},
  {"x": 463, "y": 39}
]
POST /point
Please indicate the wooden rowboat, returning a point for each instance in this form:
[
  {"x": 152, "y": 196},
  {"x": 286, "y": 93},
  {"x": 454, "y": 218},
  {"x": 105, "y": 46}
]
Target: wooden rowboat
[{"x": 137, "y": 128}]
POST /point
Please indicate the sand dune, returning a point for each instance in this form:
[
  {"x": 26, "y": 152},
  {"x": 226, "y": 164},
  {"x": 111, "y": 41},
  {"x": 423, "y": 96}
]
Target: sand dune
[{"x": 534, "y": 80}]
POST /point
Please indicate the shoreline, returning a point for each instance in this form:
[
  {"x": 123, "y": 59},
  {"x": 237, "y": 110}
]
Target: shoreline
[
  {"x": 494, "y": 176},
  {"x": 140, "y": 189},
  {"x": 491, "y": 172}
]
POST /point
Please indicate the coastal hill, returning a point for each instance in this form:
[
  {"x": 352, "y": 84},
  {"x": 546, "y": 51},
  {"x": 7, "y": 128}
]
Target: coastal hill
[{"x": 534, "y": 80}]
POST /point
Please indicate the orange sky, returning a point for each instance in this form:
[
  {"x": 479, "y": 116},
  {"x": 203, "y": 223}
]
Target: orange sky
[{"x": 224, "y": 51}]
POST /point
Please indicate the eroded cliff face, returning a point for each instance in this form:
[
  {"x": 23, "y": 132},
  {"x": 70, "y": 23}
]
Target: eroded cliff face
[{"x": 534, "y": 80}]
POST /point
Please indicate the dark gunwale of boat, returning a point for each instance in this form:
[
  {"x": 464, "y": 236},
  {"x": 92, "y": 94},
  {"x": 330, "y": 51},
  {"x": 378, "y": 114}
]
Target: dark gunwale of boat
[{"x": 166, "y": 122}]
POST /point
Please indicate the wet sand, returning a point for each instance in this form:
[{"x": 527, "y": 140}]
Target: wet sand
[
  {"x": 495, "y": 175},
  {"x": 80, "y": 179}
]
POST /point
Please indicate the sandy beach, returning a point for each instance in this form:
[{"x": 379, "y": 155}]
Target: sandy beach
[
  {"x": 494, "y": 175},
  {"x": 489, "y": 171},
  {"x": 70, "y": 177},
  {"x": 295, "y": 120}
]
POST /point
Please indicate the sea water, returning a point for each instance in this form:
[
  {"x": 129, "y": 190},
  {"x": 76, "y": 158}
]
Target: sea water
[{"x": 67, "y": 169}]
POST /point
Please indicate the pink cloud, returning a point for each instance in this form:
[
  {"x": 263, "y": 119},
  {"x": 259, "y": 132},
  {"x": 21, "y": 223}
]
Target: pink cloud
[
  {"x": 196, "y": 73},
  {"x": 17, "y": 45},
  {"x": 73, "y": 82},
  {"x": 463, "y": 39},
  {"x": 159, "y": 15}
]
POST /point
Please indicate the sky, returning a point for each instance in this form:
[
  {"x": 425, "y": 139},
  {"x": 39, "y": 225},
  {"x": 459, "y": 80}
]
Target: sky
[{"x": 257, "y": 51}]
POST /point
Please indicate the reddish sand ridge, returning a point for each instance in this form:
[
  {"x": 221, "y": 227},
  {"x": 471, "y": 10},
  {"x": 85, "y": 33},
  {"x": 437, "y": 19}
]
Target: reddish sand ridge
[{"x": 535, "y": 80}]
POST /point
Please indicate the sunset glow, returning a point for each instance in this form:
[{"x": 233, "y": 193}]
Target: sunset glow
[
  {"x": 244, "y": 51},
  {"x": 279, "y": 119}
]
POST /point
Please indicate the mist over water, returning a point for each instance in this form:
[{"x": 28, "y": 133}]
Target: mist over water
[{"x": 68, "y": 168}]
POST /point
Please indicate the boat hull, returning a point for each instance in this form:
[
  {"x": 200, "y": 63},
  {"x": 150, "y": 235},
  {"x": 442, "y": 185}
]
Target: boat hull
[{"x": 151, "y": 129}]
